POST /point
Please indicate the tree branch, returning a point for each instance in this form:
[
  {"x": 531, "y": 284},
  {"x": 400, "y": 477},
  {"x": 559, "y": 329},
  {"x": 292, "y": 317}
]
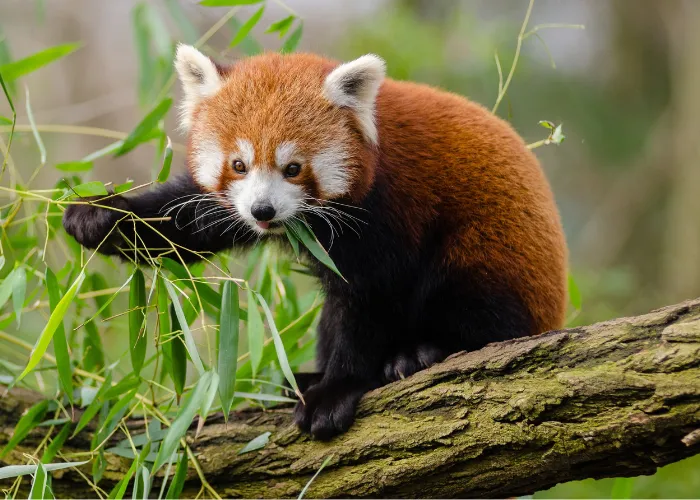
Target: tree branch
[{"x": 619, "y": 398}]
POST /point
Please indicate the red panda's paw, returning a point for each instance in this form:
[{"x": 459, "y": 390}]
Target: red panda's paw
[
  {"x": 330, "y": 408},
  {"x": 406, "y": 364},
  {"x": 89, "y": 223}
]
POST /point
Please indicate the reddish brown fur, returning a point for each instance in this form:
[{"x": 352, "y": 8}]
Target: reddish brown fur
[{"x": 447, "y": 162}]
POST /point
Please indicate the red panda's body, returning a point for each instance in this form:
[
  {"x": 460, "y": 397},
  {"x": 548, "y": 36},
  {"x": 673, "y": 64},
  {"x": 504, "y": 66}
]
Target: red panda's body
[{"x": 451, "y": 235}]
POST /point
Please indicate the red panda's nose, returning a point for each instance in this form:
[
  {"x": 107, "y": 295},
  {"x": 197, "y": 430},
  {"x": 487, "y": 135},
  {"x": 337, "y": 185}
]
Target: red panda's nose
[{"x": 262, "y": 211}]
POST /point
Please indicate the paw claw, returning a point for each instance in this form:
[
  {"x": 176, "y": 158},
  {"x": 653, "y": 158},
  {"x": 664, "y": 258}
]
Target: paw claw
[
  {"x": 329, "y": 409},
  {"x": 406, "y": 364}
]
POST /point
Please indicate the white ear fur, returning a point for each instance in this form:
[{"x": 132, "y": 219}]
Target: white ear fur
[
  {"x": 355, "y": 85},
  {"x": 199, "y": 78}
]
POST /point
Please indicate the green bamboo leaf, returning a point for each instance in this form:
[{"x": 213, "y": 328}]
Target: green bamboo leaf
[
  {"x": 92, "y": 188},
  {"x": 12, "y": 71},
  {"x": 120, "y": 488},
  {"x": 5, "y": 120},
  {"x": 23, "y": 470},
  {"x": 293, "y": 240},
  {"x": 60, "y": 344},
  {"x": 56, "y": 444},
  {"x": 256, "y": 444},
  {"x": 189, "y": 339},
  {"x": 93, "y": 353},
  {"x": 41, "y": 487},
  {"x": 29, "y": 420},
  {"x": 227, "y": 3},
  {"x": 115, "y": 411},
  {"x": 183, "y": 420},
  {"x": 55, "y": 319},
  {"x": 175, "y": 489},
  {"x": 75, "y": 166},
  {"x": 279, "y": 346},
  {"x": 35, "y": 132},
  {"x": 228, "y": 344},
  {"x": 167, "y": 161},
  {"x": 137, "y": 320},
  {"x": 94, "y": 406},
  {"x": 178, "y": 355},
  {"x": 19, "y": 292},
  {"x": 290, "y": 44},
  {"x": 256, "y": 332},
  {"x": 6, "y": 287},
  {"x": 247, "y": 27},
  {"x": 308, "y": 239},
  {"x": 257, "y": 396},
  {"x": 205, "y": 291},
  {"x": 622, "y": 488},
  {"x": 212, "y": 391},
  {"x": 143, "y": 130},
  {"x": 121, "y": 188},
  {"x": 281, "y": 26}
]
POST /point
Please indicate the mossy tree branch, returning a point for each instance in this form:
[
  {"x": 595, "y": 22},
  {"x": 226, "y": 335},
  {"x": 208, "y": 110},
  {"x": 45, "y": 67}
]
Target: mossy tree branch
[{"x": 619, "y": 398}]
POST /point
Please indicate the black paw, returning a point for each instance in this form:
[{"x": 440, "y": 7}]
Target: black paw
[
  {"x": 90, "y": 224},
  {"x": 406, "y": 364},
  {"x": 329, "y": 409}
]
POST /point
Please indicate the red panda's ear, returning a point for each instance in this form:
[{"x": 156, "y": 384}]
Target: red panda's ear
[
  {"x": 355, "y": 85},
  {"x": 199, "y": 77}
]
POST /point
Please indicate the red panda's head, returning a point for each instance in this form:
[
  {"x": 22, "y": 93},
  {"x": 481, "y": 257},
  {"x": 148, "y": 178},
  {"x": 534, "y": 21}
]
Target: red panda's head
[{"x": 274, "y": 134}]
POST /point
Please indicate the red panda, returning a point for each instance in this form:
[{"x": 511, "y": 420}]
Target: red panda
[{"x": 451, "y": 237}]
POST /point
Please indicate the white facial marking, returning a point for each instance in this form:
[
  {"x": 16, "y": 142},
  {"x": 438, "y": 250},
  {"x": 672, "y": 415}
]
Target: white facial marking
[
  {"x": 199, "y": 78},
  {"x": 245, "y": 152},
  {"x": 355, "y": 85},
  {"x": 285, "y": 154},
  {"x": 263, "y": 185},
  {"x": 329, "y": 167},
  {"x": 209, "y": 160}
]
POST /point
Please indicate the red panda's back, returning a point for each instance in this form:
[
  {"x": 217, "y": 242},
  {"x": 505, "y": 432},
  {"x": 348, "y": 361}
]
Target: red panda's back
[{"x": 449, "y": 162}]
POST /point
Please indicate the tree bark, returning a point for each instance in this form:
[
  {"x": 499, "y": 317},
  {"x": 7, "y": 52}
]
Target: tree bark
[{"x": 619, "y": 398}]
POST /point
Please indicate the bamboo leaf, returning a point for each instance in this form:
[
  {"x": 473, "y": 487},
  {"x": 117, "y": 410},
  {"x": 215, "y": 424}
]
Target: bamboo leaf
[
  {"x": 281, "y": 26},
  {"x": 35, "y": 132},
  {"x": 40, "y": 484},
  {"x": 247, "y": 27},
  {"x": 75, "y": 166},
  {"x": 183, "y": 420},
  {"x": 175, "y": 489},
  {"x": 13, "y": 70},
  {"x": 29, "y": 420},
  {"x": 56, "y": 444},
  {"x": 256, "y": 444},
  {"x": 117, "y": 409},
  {"x": 19, "y": 292},
  {"x": 94, "y": 405},
  {"x": 308, "y": 239},
  {"x": 279, "y": 346},
  {"x": 290, "y": 44},
  {"x": 55, "y": 319},
  {"x": 189, "y": 339},
  {"x": 228, "y": 344},
  {"x": 137, "y": 320},
  {"x": 92, "y": 188},
  {"x": 60, "y": 344},
  {"x": 167, "y": 161},
  {"x": 274, "y": 398},
  {"x": 143, "y": 130},
  {"x": 178, "y": 355},
  {"x": 256, "y": 332},
  {"x": 23, "y": 470},
  {"x": 93, "y": 353}
]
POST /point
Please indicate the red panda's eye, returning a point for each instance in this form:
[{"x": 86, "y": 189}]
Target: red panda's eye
[
  {"x": 239, "y": 166},
  {"x": 292, "y": 170}
]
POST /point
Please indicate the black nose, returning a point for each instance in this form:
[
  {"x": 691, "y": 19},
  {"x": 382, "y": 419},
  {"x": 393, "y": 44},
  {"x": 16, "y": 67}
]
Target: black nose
[{"x": 262, "y": 211}]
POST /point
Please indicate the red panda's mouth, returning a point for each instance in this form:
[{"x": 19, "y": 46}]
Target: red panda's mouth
[{"x": 267, "y": 225}]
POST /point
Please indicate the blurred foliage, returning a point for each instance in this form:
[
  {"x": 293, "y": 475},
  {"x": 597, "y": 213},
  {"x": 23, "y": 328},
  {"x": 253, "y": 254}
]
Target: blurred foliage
[{"x": 67, "y": 311}]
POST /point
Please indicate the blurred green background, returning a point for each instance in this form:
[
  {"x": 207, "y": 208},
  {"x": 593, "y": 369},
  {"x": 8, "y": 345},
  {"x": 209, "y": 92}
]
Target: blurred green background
[{"x": 626, "y": 88}]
